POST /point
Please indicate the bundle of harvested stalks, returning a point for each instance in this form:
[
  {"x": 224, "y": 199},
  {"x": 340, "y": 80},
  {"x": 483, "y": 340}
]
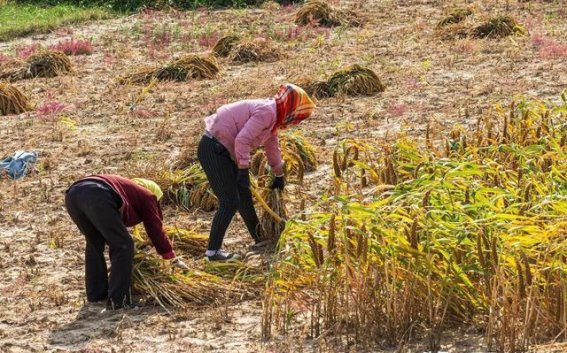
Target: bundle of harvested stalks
[
  {"x": 182, "y": 69},
  {"x": 12, "y": 101},
  {"x": 325, "y": 15},
  {"x": 316, "y": 89},
  {"x": 188, "y": 242},
  {"x": 142, "y": 76},
  {"x": 225, "y": 45},
  {"x": 190, "y": 188},
  {"x": 190, "y": 66},
  {"x": 46, "y": 63},
  {"x": 353, "y": 81},
  {"x": 298, "y": 155},
  {"x": 274, "y": 213},
  {"x": 498, "y": 27},
  {"x": 458, "y": 15},
  {"x": 11, "y": 69},
  {"x": 356, "y": 80},
  {"x": 173, "y": 288},
  {"x": 252, "y": 276},
  {"x": 256, "y": 50}
]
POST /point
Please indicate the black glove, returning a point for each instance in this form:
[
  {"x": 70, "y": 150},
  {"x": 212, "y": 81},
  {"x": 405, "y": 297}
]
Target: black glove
[
  {"x": 243, "y": 178},
  {"x": 278, "y": 183}
]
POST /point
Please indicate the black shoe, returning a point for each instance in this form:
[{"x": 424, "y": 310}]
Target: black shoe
[{"x": 221, "y": 255}]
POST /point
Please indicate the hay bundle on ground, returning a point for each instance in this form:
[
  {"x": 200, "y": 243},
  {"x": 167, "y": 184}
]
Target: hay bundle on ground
[
  {"x": 171, "y": 287},
  {"x": 182, "y": 69},
  {"x": 12, "y": 101},
  {"x": 353, "y": 81},
  {"x": 225, "y": 45},
  {"x": 325, "y": 15},
  {"x": 11, "y": 70},
  {"x": 356, "y": 80},
  {"x": 273, "y": 215},
  {"x": 458, "y": 15},
  {"x": 498, "y": 27},
  {"x": 188, "y": 242},
  {"x": 174, "y": 288},
  {"x": 46, "y": 63},
  {"x": 256, "y": 50}
]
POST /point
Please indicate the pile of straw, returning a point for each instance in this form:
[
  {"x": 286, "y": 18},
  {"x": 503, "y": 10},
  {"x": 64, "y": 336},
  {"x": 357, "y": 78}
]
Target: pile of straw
[
  {"x": 46, "y": 63},
  {"x": 211, "y": 283},
  {"x": 182, "y": 69},
  {"x": 257, "y": 50},
  {"x": 353, "y": 81},
  {"x": 12, "y": 101},
  {"x": 323, "y": 14},
  {"x": 498, "y": 27},
  {"x": 188, "y": 242},
  {"x": 225, "y": 45}
]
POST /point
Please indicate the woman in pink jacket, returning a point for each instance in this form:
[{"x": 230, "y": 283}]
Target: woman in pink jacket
[{"x": 224, "y": 152}]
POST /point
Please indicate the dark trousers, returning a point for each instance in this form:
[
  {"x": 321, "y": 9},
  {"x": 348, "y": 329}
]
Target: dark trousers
[
  {"x": 221, "y": 172},
  {"x": 95, "y": 210}
]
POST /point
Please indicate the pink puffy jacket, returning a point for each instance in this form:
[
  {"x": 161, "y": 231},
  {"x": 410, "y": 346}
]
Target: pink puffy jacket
[{"x": 245, "y": 125}]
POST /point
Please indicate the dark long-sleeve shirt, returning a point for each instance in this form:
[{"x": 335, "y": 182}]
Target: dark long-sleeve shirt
[{"x": 139, "y": 205}]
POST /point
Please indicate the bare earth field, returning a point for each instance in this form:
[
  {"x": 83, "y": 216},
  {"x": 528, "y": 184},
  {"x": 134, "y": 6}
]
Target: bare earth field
[{"x": 119, "y": 129}]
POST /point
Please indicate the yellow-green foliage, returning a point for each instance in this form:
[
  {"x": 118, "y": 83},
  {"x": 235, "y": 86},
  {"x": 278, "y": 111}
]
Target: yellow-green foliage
[
  {"x": 190, "y": 188},
  {"x": 187, "y": 242},
  {"x": 475, "y": 233},
  {"x": 12, "y": 101}
]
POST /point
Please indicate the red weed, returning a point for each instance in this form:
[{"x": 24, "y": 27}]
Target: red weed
[
  {"x": 25, "y": 51},
  {"x": 74, "y": 47},
  {"x": 396, "y": 109},
  {"x": 50, "y": 109},
  {"x": 548, "y": 47}
]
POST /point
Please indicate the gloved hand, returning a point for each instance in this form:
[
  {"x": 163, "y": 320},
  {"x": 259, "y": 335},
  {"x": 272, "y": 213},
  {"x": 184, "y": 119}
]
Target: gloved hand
[
  {"x": 278, "y": 183},
  {"x": 243, "y": 178},
  {"x": 178, "y": 263}
]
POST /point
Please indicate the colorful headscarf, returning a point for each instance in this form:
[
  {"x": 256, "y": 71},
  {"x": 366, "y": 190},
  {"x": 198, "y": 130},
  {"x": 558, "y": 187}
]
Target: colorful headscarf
[
  {"x": 150, "y": 185},
  {"x": 293, "y": 105}
]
